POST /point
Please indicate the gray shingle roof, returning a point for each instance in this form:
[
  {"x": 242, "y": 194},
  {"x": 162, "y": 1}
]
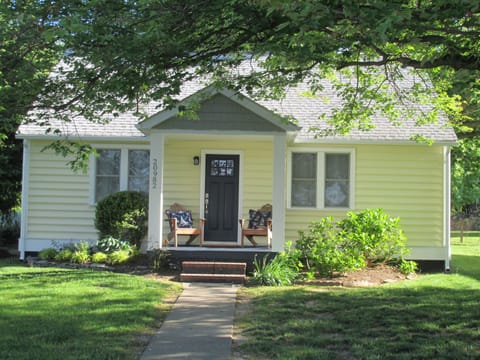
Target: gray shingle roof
[{"x": 305, "y": 109}]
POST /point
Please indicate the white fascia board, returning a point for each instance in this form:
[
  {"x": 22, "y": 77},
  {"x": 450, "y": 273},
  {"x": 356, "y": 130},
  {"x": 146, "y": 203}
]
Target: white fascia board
[
  {"x": 84, "y": 138},
  {"x": 321, "y": 141},
  {"x": 163, "y": 115}
]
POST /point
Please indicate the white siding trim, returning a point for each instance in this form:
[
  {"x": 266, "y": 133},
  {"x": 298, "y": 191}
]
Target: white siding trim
[
  {"x": 447, "y": 205},
  {"x": 92, "y": 165},
  {"x": 427, "y": 253},
  {"x": 123, "y": 169},
  {"x": 278, "y": 202},
  {"x": 25, "y": 197},
  {"x": 155, "y": 201}
]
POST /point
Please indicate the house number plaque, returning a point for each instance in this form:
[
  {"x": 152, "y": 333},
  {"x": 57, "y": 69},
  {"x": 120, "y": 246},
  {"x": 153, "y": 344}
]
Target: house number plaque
[{"x": 154, "y": 173}]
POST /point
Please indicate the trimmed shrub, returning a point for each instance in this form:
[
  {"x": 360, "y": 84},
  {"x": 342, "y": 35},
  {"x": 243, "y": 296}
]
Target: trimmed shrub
[
  {"x": 9, "y": 227},
  {"x": 47, "y": 254},
  {"x": 123, "y": 215},
  {"x": 377, "y": 235},
  {"x": 369, "y": 236},
  {"x": 323, "y": 251}
]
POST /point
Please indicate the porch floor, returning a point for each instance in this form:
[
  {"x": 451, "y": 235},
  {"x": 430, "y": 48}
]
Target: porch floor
[{"x": 223, "y": 254}]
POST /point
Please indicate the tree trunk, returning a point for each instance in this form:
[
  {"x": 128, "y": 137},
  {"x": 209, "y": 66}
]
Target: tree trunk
[{"x": 462, "y": 225}]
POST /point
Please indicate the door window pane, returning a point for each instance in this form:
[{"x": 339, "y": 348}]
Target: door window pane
[
  {"x": 222, "y": 168},
  {"x": 108, "y": 173},
  {"x": 304, "y": 180},
  {"x": 138, "y": 170},
  {"x": 337, "y": 180}
]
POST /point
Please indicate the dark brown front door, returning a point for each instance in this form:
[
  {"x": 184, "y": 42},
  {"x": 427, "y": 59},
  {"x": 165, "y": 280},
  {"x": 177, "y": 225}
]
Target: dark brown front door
[{"x": 221, "y": 198}]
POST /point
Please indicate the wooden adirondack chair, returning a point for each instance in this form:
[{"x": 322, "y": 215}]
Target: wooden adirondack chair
[
  {"x": 181, "y": 224},
  {"x": 259, "y": 224}
]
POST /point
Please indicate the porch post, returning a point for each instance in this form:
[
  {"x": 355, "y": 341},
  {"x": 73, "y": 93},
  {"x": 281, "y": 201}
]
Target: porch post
[
  {"x": 155, "y": 201},
  {"x": 278, "y": 202}
]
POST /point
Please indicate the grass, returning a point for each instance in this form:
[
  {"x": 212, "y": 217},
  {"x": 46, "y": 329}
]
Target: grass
[
  {"x": 50, "y": 313},
  {"x": 436, "y": 316}
]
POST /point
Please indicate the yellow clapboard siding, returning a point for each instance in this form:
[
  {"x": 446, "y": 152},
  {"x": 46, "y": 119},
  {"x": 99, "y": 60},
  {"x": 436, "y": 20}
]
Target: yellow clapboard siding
[
  {"x": 405, "y": 180},
  {"x": 182, "y": 179},
  {"x": 58, "y": 198}
]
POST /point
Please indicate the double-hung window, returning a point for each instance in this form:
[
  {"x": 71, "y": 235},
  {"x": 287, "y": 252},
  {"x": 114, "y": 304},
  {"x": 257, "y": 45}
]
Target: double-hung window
[
  {"x": 120, "y": 169},
  {"x": 321, "y": 179}
]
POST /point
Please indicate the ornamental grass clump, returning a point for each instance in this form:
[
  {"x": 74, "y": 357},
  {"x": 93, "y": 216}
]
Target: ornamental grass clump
[
  {"x": 99, "y": 258},
  {"x": 274, "y": 272},
  {"x": 281, "y": 270},
  {"x": 81, "y": 253}
]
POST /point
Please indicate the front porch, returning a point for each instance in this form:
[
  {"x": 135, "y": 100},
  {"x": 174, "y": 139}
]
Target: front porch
[{"x": 218, "y": 254}]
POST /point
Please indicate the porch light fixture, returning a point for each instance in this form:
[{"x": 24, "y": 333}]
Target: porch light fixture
[{"x": 196, "y": 160}]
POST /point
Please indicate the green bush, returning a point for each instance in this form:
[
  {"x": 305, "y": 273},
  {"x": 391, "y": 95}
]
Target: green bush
[
  {"x": 47, "y": 254},
  {"x": 64, "y": 255},
  {"x": 407, "y": 267},
  {"x": 99, "y": 258},
  {"x": 81, "y": 254},
  {"x": 111, "y": 244},
  {"x": 323, "y": 251},
  {"x": 123, "y": 215},
  {"x": 377, "y": 235},
  {"x": 361, "y": 238},
  {"x": 9, "y": 227}
]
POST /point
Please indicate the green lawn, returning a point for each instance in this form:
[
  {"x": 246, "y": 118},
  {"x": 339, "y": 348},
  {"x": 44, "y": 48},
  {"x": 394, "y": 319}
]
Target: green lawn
[
  {"x": 50, "y": 313},
  {"x": 436, "y": 316}
]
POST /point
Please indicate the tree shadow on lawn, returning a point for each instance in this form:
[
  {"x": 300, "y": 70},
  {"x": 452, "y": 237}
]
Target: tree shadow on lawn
[
  {"x": 466, "y": 265},
  {"x": 77, "y": 314},
  {"x": 421, "y": 322}
]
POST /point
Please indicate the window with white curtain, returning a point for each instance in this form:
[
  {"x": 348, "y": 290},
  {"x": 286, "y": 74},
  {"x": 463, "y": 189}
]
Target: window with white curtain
[
  {"x": 120, "y": 169},
  {"x": 321, "y": 179}
]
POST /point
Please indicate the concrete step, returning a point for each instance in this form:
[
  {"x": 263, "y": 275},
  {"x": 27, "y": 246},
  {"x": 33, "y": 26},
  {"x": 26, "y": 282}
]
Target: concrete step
[
  {"x": 213, "y": 271},
  {"x": 214, "y": 267}
]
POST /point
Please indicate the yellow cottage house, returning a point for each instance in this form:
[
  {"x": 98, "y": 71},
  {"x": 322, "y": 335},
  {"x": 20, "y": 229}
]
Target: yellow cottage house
[{"x": 238, "y": 155}]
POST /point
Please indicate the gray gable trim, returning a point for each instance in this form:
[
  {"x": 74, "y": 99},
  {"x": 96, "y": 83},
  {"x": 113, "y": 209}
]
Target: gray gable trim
[
  {"x": 220, "y": 110},
  {"x": 220, "y": 113}
]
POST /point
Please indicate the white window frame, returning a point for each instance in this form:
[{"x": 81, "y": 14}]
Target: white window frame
[
  {"x": 320, "y": 200},
  {"x": 123, "y": 165}
]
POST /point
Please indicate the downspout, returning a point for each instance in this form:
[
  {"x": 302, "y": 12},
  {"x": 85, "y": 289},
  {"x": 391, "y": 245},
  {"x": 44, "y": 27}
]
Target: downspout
[
  {"x": 25, "y": 186},
  {"x": 447, "y": 210}
]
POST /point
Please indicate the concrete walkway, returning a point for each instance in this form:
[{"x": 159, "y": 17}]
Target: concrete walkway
[{"x": 199, "y": 326}]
